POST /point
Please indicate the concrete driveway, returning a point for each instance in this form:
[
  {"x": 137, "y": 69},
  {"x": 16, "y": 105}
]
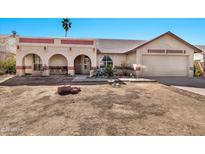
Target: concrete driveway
[{"x": 196, "y": 84}]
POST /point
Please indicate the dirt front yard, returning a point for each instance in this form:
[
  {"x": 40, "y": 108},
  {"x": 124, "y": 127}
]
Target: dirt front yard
[{"x": 132, "y": 109}]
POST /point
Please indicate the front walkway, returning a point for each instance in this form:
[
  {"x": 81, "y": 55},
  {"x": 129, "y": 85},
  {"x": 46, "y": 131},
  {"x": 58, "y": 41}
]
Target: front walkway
[
  {"x": 83, "y": 79},
  {"x": 78, "y": 79}
]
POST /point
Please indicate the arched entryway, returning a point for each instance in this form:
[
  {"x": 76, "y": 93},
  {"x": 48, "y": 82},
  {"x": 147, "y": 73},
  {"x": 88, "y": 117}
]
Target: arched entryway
[
  {"x": 58, "y": 64},
  {"x": 32, "y": 64},
  {"x": 82, "y": 64}
]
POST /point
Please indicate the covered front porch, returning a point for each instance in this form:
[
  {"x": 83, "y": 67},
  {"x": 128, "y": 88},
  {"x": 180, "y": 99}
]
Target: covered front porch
[{"x": 56, "y": 64}]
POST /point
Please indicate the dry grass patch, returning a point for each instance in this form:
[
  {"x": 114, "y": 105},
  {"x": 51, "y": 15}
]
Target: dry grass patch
[{"x": 132, "y": 109}]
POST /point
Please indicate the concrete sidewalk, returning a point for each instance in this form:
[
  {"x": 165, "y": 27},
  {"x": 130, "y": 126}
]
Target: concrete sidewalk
[
  {"x": 195, "y": 84},
  {"x": 200, "y": 91}
]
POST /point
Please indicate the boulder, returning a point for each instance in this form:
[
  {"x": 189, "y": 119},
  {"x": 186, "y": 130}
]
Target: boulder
[
  {"x": 65, "y": 90},
  {"x": 74, "y": 91}
]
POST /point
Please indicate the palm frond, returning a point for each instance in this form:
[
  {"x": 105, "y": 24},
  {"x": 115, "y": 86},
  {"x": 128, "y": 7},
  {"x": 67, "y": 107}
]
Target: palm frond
[{"x": 66, "y": 24}]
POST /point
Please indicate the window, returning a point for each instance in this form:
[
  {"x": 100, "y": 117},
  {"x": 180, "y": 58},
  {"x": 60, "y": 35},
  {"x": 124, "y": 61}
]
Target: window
[
  {"x": 156, "y": 51},
  {"x": 106, "y": 61},
  {"x": 175, "y": 51}
]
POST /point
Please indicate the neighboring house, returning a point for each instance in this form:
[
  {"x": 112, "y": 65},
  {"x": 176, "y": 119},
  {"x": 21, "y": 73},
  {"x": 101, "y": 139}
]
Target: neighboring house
[
  {"x": 165, "y": 55},
  {"x": 200, "y": 56},
  {"x": 7, "y": 46}
]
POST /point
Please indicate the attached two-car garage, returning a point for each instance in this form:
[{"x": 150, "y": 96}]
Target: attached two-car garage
[
  {"x": 166, "y": 55},
  {"x": 165, "y": 65}
]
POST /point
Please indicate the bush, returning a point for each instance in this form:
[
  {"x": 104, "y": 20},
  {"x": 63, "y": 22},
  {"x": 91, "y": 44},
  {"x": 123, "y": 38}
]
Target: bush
[
  {"x": 125, "y": 70},
  {"x": 109, "y": 70},
  {"x": 197, "y": 71},
  {"x": 8, "y": 66}
]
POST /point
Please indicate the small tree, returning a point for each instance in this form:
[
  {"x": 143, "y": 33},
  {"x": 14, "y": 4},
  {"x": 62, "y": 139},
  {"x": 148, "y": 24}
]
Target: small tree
[
  {"x": 66, "y": 23},
  {"x": 109, "y": 70}
]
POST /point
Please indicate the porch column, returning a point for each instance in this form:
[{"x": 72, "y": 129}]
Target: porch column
[
  {"x": 20, "y": 70},
  {"x": 70, "y": 58},
  {"x": 46, "y": 71},
  {"x": 19, "y": 65},
  {"x": 45, "y": 66},
  {"x": 71, "y": 70},
  {"x": 94, "y": 60}
]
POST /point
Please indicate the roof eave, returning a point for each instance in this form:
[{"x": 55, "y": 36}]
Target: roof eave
[{"x": 196, "y": 49}]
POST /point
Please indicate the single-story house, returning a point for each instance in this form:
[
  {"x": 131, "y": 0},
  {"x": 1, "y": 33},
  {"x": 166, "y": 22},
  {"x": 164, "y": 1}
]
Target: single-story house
[{"x": 165, "y": 55}]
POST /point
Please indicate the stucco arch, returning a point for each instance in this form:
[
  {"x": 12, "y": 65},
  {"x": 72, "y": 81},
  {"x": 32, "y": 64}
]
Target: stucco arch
[
  {"x": 32, "y": 63},
  {"x": 82, "y": 64},
  {"x": 25, "y": 50},
  {"x": 30, "y": 53},
  {"x": 81, "y": 55},
  {"x": 87, "y": 52},
  {"x": 58, "y": 64},
  {"x": 49, "y": 56}
]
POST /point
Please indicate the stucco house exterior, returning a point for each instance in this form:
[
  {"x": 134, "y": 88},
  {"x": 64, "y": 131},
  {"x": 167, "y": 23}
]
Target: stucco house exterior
[{"x": 165, "y": 55}]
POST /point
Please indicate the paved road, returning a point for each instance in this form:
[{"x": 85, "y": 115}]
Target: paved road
[{"x": 196, "y": 84}]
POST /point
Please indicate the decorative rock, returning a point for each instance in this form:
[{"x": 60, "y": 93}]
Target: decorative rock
[
  {"x": 74, "y": 91},
  {"x": 116, "y": 85},
  {"x": 65, "y": 90},
  {"x": 111, "y": 81}
]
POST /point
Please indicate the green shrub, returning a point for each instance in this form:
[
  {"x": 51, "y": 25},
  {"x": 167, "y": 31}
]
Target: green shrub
[
  {"x": 109, "y": 70},
  {"x": 8, "y": 66},
  {"x": 197, "y": 71}
]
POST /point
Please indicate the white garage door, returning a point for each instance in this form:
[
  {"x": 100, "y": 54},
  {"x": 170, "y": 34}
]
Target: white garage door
[{"x": 165, "y": 65}]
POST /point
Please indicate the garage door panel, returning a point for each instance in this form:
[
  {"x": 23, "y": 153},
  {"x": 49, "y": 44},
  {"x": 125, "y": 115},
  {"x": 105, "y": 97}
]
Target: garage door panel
[{"x": 165, "y": 65}]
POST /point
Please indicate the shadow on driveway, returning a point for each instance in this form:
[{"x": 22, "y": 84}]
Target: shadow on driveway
[{"x": 197, "y": 82}]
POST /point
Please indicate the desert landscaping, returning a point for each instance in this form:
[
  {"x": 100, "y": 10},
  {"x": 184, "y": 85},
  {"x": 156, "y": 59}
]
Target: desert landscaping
[{"x": 131, "y": 109}]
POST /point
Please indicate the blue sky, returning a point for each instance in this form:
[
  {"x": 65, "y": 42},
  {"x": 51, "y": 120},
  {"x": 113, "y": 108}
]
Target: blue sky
[{"x": 192, "y": 30}]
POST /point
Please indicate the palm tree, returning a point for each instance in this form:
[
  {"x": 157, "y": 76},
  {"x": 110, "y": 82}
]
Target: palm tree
[{"x": 66, "y": 23}]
